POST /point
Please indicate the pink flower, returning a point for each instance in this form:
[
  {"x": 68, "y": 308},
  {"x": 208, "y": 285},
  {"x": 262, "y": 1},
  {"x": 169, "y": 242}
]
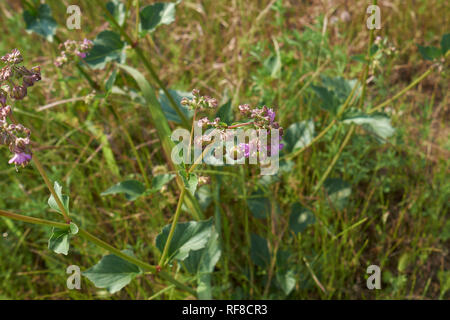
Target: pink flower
[
  {"x": 271, "y": 115},
  {"x": 245, "y": 148},
  {"x": 82, "y": 55},
  {"x": 21, "y": 159}
]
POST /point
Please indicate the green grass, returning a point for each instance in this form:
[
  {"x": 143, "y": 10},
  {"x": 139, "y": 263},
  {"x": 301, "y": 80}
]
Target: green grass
[{"x": 396, "y": 215}]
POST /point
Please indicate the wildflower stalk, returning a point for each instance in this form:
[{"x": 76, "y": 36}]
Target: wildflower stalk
[
  {"x": 180, "y": 200},
  {"x": 49, "y": 185},
  {"x": 146, "y": 62},
  {"x": 335, "y": 158},
  {"x": 402, "y": 92},
  {"x": 100, "y": 243},
  {"x": 172, "y": 228}
]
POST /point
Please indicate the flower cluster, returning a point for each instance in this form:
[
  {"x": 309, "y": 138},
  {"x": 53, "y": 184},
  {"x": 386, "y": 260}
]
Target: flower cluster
[
  {"x": 12, "y": 73},
  {"x": 71, "y": 49},
  {"x": 15, "y": 136},
  {"x": 262, "y": 120},
  {"x": 199, "y": 102}
]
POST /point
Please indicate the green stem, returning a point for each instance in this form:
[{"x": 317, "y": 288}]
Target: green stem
[
  {"x": 100, "y": 243},
  {"x": 146, "y": 63},
  {"x": 335, "y": 158},
  {"x": 41, "y": 170},
  {"x": 402, "y": 92},
  {"x": 172, "y": 228},
  {"x": 33, "y": 220}
]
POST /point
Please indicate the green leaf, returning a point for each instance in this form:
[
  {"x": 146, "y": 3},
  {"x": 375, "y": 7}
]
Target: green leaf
[
  {"x": 133, "y": 189},
  {"x": 169, "y": 112},
  {"x": 340, "y": 87},
  {"x": 202, "y": 263},
  {"x": 259, "y": 205},
  {"x": 155, "y": 15},
  {"x": 204, "y": 260},
  {"x": 445, "y": 43},
  {"x": 190, "y": 181},
  {"x": 160, "y": 180},
  {"x": 298, "y": 135},
  {"x": 112, "y": 272},
  {"x": 64, "y": 199},
  {"x": 286, "y": 280},
  {"x": 377, "y": 123},
  {"x": 117, "y": 10},
  {"x": 429, "y": 53},
  {"x": 273, "y": 65},
  {"x": 334, "y": 92},
  {"x": 111, "y": 80},
  {"x": 225, "y": 113},
  {"x": 188, "y": 236},
  {"x": 300, "y": 218},
  {"x": 359, "y": 58},
  {"x": 337, "y": 192},
  {"x": 329, "y": 101},
  {"x": 107, "y": 47},
  {"x": 41, "y": 22},
  {"x": 259, "y": 251},
  {"x": 374, "y": 49},
  {"x": 59, "y": 240},
  {"x": 204, "y": 197}
]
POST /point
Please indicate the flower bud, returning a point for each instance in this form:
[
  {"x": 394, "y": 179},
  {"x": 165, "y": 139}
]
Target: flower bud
[
  {"x": 3, "y": 96},
  {"x": 19, "y": 92}
]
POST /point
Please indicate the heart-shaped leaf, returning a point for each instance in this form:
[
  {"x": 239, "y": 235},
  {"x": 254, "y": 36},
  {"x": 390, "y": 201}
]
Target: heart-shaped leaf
[
  {"x": 160, "y": 180},
  {"x": 59, "y": 240},
  {"x": 155, "y": 15},
  {"x": 41, "y": 22},
  {"x": 117, "y": 10},
  {"x": 188, "y": 236},
  {"x": 113, "y": 273},
  {"x": 132, "y": 189},
  {"x": 429, "y": 53},
  {"x": 298, "y": 135},
  {"x": 377, "y": 123},
  {"x": 107, "y": 47}
]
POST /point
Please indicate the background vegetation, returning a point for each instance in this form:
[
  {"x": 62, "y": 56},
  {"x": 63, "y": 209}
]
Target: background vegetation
[{"x": 384, "y": 203}]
